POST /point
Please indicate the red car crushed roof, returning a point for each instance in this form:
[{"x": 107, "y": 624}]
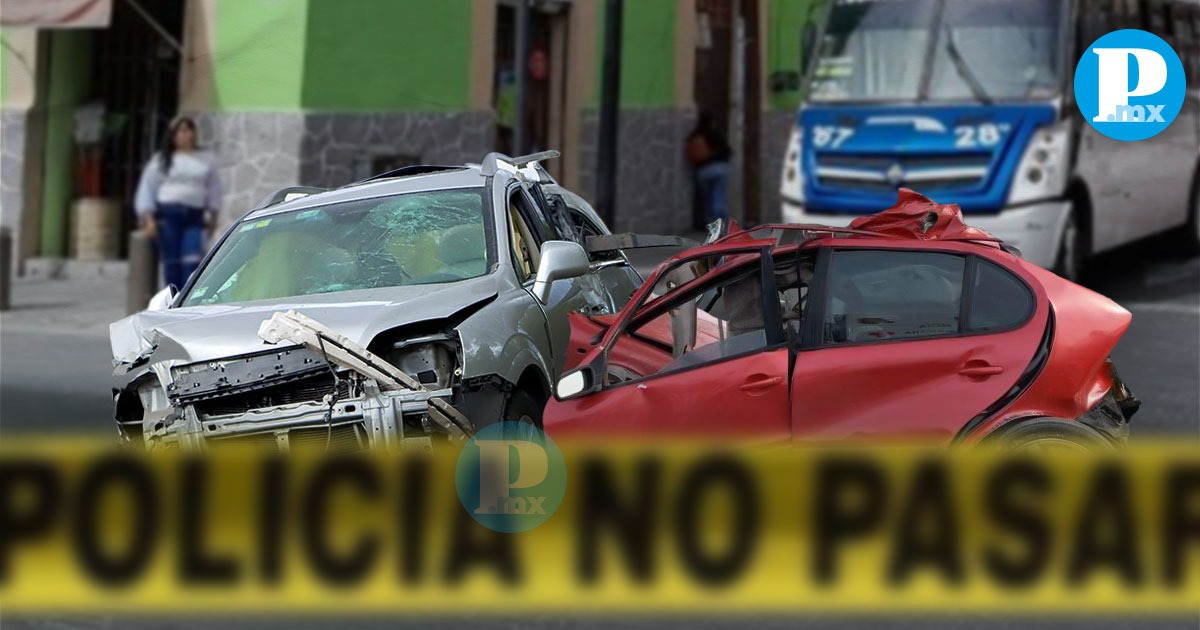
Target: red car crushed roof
[{"x": 909, "y": 324}]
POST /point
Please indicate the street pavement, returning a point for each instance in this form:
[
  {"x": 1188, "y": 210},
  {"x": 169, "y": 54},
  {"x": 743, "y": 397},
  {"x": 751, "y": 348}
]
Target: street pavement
[
  {"x": 55, "y": 365},
  {"x": 55, "y": 377}
]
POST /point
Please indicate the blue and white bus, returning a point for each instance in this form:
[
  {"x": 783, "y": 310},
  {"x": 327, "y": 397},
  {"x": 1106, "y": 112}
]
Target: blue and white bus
[{"x": 971, "y": 102}]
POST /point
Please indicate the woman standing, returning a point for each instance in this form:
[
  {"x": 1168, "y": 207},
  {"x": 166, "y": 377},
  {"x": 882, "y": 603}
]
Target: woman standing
[{"x": 177, "y": 201}]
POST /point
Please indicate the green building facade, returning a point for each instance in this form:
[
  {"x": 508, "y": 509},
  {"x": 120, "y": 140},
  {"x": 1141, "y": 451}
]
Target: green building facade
[{"x": 324, "y": 92}]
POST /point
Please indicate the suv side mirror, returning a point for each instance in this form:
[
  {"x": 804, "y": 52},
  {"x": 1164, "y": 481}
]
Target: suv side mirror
[
  {"x": 560, "y": 260},
  {"x": 162, "y": 300},
  {"x": 576, "y": 383}
]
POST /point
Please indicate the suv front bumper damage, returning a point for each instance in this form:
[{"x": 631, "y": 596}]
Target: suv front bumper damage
[{"x": 317, "y": 389}]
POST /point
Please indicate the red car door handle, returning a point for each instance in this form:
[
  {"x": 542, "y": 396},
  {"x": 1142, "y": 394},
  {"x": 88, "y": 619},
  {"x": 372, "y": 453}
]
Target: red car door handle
[
  {"x": 760, "y": 383},
  {"x": 979, "y": 369}
]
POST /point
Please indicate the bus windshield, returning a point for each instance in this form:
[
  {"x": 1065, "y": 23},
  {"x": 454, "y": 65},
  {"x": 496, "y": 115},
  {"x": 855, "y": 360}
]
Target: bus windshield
[{"x": 978, "y": 50}]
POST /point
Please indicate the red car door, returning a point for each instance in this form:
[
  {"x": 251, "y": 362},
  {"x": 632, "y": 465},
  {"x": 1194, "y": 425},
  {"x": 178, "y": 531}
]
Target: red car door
[
  {"x": 907, "y": 342},
  {"x": 707, "y": 358},
  {"x": 745, "y": 397}
]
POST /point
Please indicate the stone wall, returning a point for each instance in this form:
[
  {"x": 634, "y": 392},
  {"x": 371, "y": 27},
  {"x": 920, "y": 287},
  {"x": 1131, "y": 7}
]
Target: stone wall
[
  {"x": 654, "y": 185},
  {"x": 260, "y": 152},
  {"x": 257, "y": 153},
  {"x": 336, "y": 145},
  {"x": 12, "y": 168}
]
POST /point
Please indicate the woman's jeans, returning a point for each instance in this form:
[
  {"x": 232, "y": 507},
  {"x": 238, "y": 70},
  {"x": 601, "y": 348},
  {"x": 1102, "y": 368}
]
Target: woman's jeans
[
  {"x": 712, "y": 180},
  {"x": 180, "y": 241}
]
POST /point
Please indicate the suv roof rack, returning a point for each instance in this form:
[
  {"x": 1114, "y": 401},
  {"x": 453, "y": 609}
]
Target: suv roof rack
[
  {"x": 492, "y": 161},
  {"x": 287, "y": 193},
  {"x": 409, "y": 171}
]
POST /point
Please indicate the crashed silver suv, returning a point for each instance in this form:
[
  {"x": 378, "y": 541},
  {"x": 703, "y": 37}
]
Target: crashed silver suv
[{"x": 416, "y": 306}]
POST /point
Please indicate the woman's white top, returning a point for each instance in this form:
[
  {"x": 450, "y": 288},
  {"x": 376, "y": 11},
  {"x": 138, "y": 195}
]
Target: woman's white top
[{"x": 192, "y": 181}]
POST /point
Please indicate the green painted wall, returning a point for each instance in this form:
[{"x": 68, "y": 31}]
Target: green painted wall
[
  {"x": 786, "y": 21},
  {"x": 647, "y": 53},
  {"x": 387, "y": 55},
  {"x": 259, "y": 51},
  {"x": 70, "y": 65}
]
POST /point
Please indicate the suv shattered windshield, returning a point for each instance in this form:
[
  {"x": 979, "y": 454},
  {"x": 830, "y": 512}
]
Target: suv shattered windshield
[
  {"x": 875, "y": 50},
  {"x": 415, "y": 238}
]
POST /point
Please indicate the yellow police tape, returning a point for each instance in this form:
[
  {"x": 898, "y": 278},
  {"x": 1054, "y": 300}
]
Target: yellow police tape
[{"x": 682, "y": 529}]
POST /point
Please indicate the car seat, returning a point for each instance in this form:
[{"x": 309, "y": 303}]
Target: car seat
[{"x": 463, "y": 250}]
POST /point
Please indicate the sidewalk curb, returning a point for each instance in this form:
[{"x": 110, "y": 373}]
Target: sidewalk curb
[{"x": 29, "y": 329}]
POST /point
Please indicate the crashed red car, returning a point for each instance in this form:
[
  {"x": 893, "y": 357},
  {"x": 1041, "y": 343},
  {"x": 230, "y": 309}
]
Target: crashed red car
[{"x": 908, "y": 324}]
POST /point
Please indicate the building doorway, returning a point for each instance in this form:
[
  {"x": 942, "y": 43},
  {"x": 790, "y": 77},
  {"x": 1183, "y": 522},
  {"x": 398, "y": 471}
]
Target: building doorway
[
  {"x": 713, "y": 79},
  {"x": 545, "y": 71},
  {"x": 135, "y": 71}
]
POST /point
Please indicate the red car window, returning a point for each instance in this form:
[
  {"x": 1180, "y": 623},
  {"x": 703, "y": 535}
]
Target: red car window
[
  {"x": 891, "y": 295},
  {"x": 999, "y": 300},
  {"x": 707, "y": 322}
]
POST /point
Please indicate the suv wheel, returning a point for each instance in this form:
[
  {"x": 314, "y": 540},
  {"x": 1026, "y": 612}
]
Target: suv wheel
[{"x": 524, "y": 409}]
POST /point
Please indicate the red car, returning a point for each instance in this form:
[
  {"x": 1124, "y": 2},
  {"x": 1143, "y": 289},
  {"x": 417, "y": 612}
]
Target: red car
[{"x": 907, "y": 324}]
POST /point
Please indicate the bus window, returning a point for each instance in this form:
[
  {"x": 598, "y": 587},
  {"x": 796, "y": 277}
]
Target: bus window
[
  {"x": 1095, "y": 19},
  {"x": 1182, "y": 19},
  {"x": 1155, "y": 19},
  {"x": 867, "y": 50},
  {"x": 1195, "y": 56},
  {"x": 1186, "y": 43},
  {"x": 1011, "y": 50}
]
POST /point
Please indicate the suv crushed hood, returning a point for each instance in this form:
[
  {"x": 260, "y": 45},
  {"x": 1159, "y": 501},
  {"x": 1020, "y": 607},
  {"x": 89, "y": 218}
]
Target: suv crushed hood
[{"x": 199, "y": 333}]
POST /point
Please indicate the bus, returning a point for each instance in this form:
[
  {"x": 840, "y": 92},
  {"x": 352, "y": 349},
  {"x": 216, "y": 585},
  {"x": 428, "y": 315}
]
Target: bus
[{"x": 971, "y": 102}]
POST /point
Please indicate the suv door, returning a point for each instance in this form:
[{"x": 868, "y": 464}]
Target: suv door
[
  {"x": 615, "y": 278},
  {"x": 528, "y": 229},
  {"x": 911, "y": 343},
  {"x": 707, "y": 355}
]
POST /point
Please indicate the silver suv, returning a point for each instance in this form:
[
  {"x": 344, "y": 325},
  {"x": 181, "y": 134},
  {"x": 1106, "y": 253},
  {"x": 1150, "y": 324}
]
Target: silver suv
[{"x": 416, "y": 306}]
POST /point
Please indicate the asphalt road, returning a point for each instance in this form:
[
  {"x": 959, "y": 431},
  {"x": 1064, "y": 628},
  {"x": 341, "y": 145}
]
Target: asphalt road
[{"x": 60, "y": 382}]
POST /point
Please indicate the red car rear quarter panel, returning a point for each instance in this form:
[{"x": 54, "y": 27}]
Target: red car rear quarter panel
[
  {"x": 904, "y": 389},
  {"x": 1087, "y": 327},
  {"x": 912, "y": 389}
]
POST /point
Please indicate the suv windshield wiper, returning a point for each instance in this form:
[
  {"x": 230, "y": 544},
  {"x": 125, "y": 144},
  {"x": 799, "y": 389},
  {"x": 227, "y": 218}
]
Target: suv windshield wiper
[{"x": 963, "y": 70}]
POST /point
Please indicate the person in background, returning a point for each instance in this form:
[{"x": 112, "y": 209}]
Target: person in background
[
  {"x": 177, "y": 201},
  {"x": 708, "y": 152}
]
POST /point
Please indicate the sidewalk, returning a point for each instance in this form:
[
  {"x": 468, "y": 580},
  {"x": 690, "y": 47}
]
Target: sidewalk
[
  {"x": 83, "y": 304},
  {"x": 89, "y": 298}
]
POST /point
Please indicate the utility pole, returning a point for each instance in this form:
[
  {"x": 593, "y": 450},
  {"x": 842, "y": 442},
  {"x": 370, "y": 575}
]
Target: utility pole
[
  {"x": 521, "y": 68},
  {"x": 610, "y": 98},
  {"x": 751, "y": 112}
]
